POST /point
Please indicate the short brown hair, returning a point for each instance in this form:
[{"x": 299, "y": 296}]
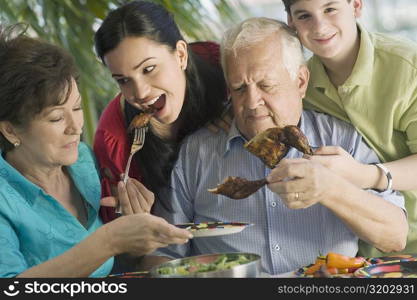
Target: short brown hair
[
  {"x": 289, "y": 3},
  {"x": 34, "y": 74}
]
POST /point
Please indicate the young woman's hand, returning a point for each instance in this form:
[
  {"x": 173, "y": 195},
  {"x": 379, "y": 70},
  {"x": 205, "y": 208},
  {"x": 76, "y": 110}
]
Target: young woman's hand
[{"x": 133, "y": 198}]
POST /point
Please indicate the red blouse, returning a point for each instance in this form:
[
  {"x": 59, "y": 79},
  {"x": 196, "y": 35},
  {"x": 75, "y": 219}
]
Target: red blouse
[{"x": 111, "y": 142}]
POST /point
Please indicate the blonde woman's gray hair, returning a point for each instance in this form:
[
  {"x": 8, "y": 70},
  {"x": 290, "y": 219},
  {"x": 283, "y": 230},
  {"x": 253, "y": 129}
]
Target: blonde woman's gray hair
[{"x": 255, "y": 30}]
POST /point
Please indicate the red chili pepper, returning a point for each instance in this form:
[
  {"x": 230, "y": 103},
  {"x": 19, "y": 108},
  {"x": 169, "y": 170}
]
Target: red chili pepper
[{"x": 342, "y": 261}]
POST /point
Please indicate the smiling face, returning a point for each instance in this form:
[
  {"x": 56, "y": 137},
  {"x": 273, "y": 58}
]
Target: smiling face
[
  {"x": 150, "y": 74},
  {"x": 263, "y": 93},
  {"x": 327, "y": 27},
  {"x": 51, "y": 139}
]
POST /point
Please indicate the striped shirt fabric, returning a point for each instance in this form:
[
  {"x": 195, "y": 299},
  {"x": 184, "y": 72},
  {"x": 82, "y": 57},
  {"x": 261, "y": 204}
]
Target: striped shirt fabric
[{"x": 286, "y": 239}]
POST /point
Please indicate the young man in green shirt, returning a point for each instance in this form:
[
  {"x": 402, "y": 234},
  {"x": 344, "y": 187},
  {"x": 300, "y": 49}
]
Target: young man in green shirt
[{"x": 369, "y": 80}]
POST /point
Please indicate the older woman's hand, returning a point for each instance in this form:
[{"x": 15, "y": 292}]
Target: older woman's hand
[
  {"x": 141, "y": 234},
  {"x": 133, "y": 197}
]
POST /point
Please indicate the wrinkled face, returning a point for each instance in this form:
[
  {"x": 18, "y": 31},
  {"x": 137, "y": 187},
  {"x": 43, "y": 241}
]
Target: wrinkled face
[
  {"x": 150, "y": 74},
  {"x": 326, "y": 27},
  {"x": 263, "y": 93},
  {"x": 52, "y": 137}
]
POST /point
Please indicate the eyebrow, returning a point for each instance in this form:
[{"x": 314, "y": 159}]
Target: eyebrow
[
  {"x": 135, "y": 67},
  {"x": 49, "y": 110},
  {"x": 301, "y": 11}
]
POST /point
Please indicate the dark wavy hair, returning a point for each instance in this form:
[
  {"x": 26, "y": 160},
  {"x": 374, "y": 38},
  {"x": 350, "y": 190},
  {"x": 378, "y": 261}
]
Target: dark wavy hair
[
  {"x": 205, "y": 86},
  {"x": 34, "y": 74}
]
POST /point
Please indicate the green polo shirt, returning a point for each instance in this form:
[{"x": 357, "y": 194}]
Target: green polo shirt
[{"x": 380, "y": 100}]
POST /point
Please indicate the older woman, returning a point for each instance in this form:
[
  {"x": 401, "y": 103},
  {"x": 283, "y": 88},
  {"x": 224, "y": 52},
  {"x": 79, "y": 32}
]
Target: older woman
[
  {"x": 49, "y": 186},
  {"x": 142, "y": 47}
]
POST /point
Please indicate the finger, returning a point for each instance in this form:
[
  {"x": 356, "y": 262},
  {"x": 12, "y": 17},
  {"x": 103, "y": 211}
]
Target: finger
[
  {"x": 212, "y": 128},
  {"x": 172, "y": 240},
  {"x": 145, "y": 196},
  {"x": 294, "y": 185},
  {"x": 328, "y": 150},
  {"x": 124, "y": 198},
  {"x": 288, "y": 168},
  {"x": 162, "y": 227},
  {"x": 295, "y": 204},
  {"x": 322, "y": 159},
  {"x": 171, "y": 232},
  {"x": 109, "y": 201},
  {"x": 223, "y": 125},
  {"x": 135, "y": 198},
  {"x": 295, "y": 200}
]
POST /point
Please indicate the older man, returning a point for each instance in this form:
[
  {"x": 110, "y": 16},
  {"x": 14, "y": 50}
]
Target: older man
[{"x": 306, "y": 209}]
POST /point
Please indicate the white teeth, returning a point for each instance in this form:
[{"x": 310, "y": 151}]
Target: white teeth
[{"x": 150, "y": 102}]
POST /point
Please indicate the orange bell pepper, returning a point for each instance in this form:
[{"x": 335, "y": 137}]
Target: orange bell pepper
[
  {"x": 342, "y": 261},
  {"x": 320, "y": 260}
]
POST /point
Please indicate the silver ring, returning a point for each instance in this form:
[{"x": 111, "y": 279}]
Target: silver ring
[{"x": 296, "y": 196}]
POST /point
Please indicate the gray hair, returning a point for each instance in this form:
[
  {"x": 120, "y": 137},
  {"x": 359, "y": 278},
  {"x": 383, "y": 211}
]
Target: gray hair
[{"x": 255, "y": 30}]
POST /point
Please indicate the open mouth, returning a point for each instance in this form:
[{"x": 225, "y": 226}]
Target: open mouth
[{"x": 157, "y": 103}]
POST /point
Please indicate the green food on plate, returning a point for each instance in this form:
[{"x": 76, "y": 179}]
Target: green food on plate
[{"x": 223, "y": 262}]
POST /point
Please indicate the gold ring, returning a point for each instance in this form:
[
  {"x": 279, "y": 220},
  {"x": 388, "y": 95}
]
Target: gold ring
[{"x": 296, "y": 196}]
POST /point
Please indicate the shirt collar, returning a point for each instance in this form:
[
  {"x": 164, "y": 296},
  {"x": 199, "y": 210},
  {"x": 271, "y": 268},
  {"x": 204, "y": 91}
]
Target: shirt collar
[
  {"x": 22, "y": 185},
  {"x": 305, "y": 125},
  {"x": 31, "y": 191},
  {"x": 361, "y": 70},
  {"x": 80, "y": 177},
  {"x": 364, "y": 65},
  {"x": 233, "y": 135}
]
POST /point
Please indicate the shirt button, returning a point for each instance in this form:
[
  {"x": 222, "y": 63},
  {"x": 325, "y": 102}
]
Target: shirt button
[
  {"x": 277, "y": 247},
  {"x": 273, "y": 204}
]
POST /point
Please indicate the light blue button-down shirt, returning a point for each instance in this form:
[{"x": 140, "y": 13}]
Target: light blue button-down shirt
[
  {"x": 34, "y": 227},
  {"x": 285, "y": 238}
]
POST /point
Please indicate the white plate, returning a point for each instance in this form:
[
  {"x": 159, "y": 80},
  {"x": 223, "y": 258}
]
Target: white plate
[{"x": 205, "y": 229}]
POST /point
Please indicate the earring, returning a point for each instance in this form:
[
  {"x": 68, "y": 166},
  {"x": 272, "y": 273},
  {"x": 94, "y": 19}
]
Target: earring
[
  {"x": 16, "y": 144},
  {"x": 183, "y": 67}
]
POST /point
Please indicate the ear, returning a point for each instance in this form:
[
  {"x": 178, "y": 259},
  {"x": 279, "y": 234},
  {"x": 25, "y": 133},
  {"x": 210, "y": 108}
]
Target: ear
[
  {"x": 302, "y": 78},
  {"x": 357, "y": 6},
  {"x": 182, "y": 54},
  {"x": 8, "y": 131}
]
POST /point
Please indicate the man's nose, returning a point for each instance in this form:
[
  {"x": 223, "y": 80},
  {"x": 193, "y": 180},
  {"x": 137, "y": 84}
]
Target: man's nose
[{"x": 253, "y": 97}]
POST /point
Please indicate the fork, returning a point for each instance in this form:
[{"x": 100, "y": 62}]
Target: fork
[{"x": 138, "y": 142}]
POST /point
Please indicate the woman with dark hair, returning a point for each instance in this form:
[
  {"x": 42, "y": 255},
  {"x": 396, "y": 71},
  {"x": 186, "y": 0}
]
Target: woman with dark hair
[
  {"x": 49, "y": 183},
  {"x": 146, "y": 54}
]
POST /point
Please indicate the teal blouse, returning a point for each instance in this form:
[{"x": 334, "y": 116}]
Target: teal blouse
[{"x": 34, "y": 227}]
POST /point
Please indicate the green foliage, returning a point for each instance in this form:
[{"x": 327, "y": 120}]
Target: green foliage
[{"x": 72, "y": 23}]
